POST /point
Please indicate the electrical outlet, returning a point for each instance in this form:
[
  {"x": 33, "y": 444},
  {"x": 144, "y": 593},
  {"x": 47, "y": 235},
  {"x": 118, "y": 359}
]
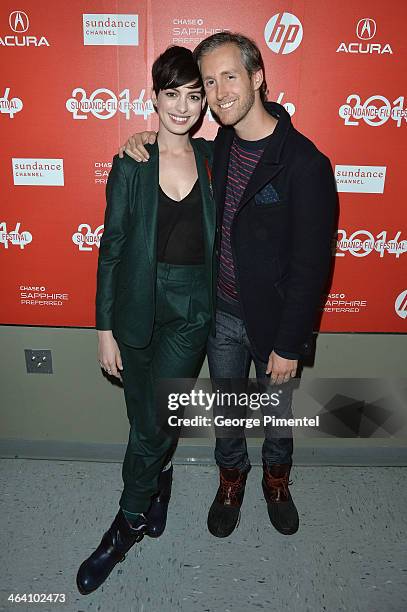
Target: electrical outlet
[{"x": 38, "y": 362}]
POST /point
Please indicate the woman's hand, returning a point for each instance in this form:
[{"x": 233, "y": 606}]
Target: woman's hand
[{"x": 109, "y": 354}]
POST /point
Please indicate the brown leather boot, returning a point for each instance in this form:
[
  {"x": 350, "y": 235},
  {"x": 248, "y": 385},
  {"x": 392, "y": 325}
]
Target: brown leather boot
[
  {"x": 224, "y": 513},
  {"x": 280, "y": 505}
]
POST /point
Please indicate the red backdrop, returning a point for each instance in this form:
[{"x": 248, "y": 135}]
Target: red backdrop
[{"x": 75, "y": 84}]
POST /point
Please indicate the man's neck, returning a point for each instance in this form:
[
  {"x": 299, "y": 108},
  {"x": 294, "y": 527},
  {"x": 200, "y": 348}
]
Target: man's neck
[{"x": 257, "y": 124}]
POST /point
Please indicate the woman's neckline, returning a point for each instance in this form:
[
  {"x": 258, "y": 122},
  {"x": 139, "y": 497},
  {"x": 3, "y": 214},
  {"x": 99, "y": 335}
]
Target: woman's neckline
[{"x": 178, "y": 201}]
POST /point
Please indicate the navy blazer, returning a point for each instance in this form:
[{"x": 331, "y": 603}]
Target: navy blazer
[{"x": 281, "y": 236}]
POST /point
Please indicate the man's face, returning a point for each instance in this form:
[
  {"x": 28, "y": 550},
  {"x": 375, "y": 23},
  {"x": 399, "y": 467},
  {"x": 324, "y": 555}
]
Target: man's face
[{"x": 228, "y": 87}]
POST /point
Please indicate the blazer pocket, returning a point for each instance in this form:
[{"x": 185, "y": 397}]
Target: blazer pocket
[
  {"x": 277, "y": 205},
  {"x": 267, "y": 195}
]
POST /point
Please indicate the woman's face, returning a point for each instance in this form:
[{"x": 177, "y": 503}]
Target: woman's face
[{"x": 179, "y": 108}]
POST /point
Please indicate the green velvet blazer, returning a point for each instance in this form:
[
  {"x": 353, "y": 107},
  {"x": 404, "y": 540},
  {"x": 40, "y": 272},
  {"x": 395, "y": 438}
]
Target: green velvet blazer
[{"x": 126, "y": 276}]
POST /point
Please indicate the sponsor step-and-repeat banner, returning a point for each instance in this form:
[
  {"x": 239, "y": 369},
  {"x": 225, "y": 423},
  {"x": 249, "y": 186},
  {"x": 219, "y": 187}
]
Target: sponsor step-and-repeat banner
[{"x": 74, "y": 85}]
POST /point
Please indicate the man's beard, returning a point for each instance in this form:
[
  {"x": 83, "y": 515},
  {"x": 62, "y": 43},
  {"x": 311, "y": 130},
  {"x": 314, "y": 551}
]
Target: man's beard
[{"x": 233, "y": 119}]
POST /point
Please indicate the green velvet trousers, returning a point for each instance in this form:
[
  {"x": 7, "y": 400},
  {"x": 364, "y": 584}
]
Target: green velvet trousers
[{"x": 176, "y": 350}]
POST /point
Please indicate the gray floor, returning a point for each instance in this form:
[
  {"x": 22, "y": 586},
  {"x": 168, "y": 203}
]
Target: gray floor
[{"x": 349, "y": 554}]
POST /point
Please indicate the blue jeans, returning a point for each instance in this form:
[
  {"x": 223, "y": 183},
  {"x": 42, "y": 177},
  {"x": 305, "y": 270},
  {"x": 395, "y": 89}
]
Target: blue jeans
[{"x": 229, "y": 356}]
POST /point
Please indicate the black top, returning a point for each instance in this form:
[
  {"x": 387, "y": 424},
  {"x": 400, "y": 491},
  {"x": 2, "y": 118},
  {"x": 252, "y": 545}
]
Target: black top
[{"x": 180, "y": 232}]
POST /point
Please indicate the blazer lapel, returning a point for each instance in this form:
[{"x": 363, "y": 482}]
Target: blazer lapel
[
  {"x": 267, "y": 168},
  {"x": 149, "y": 199},
  {"x": 263, "y": 173},
  {"x": 203, "y": 164},
  {"x": 149, "y": 174},
  {"x": 221, "y": 156}
]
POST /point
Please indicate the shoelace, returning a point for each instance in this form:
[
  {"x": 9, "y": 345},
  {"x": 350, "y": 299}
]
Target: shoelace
[
  {"x": 230, "y": 488},
  {"x": 275, "y": 482}
]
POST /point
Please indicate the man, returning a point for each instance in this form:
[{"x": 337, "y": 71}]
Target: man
[{"x": 276, "y": 200}]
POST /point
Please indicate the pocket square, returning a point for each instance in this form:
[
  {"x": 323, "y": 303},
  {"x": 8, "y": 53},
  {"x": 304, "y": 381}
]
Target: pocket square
[{"x": 267, "y": 195}]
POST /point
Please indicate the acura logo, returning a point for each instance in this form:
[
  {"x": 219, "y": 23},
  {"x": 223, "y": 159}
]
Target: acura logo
[
  {"x": 366, "y": 29},
  {"x": 19, "y": 21}
]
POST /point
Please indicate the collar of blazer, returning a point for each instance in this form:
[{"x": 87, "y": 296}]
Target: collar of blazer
[
  {"x": 268, "y": 166},
  {"x": 149, "y": 181}
]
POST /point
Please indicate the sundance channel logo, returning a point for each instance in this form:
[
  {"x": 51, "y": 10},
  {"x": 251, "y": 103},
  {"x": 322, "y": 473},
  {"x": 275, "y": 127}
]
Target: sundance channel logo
[
  {"x": 110, "y": 29},
  {"x": 360, "y": 179},
  {"x": 36, "y": 171}
]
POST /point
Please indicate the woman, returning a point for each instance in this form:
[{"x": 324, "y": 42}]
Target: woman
[{"x": 154, "y": 300}]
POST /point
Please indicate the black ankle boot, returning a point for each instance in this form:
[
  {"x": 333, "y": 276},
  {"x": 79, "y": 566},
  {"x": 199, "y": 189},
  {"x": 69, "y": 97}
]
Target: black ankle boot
[
  {"x": 281, "y": 509},
  {"x": 224, "y": 514},
  {"x": 157, "y": 513},
  {"x": 119, "y": 538}
]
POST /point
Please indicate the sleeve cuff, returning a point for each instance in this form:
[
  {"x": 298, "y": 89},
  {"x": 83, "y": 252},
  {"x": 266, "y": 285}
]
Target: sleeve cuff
[{"x": 287, "y": 355}]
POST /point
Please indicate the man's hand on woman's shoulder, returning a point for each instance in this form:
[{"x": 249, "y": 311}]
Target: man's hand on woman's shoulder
[{"x": 135, "y": 146}]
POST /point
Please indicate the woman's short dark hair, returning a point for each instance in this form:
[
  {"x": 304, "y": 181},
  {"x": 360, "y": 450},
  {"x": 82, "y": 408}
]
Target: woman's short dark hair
[
  {"x": 249, "y": 52},
  {"x": 175, "y": 67}
]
